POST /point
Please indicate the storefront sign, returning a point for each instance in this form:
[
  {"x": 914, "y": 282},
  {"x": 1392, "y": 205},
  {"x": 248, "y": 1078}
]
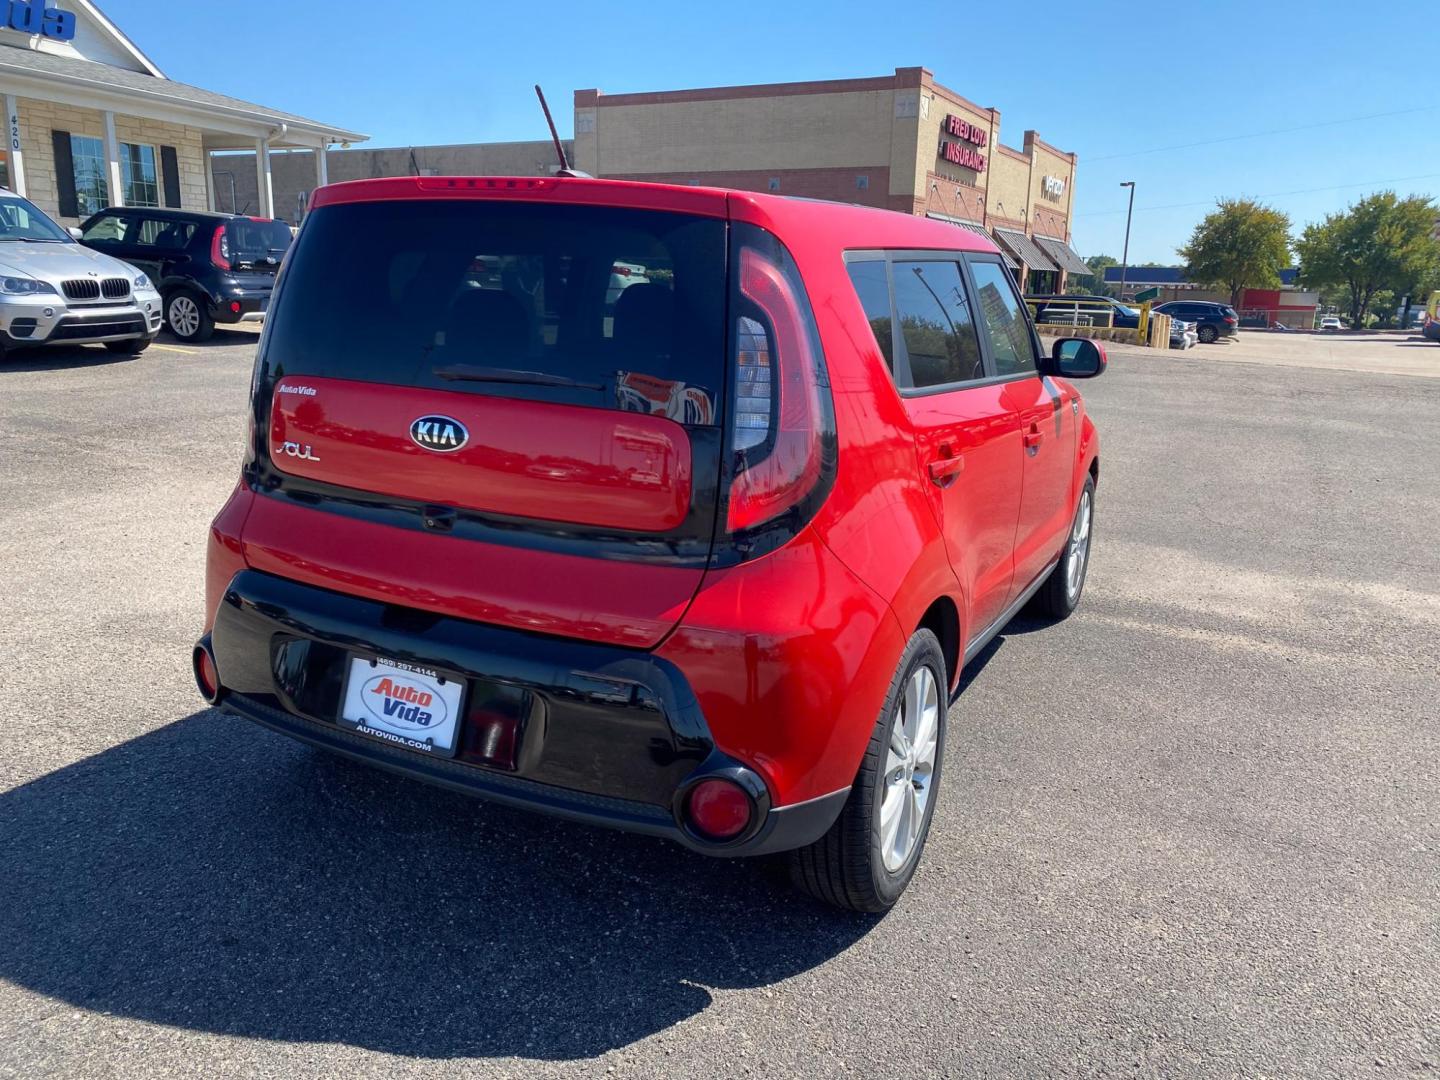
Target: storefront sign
[
  {"x": 33, "y": 17},
  {"x": 1052, "y": 187},
  {"x": 957, "y": 153}
]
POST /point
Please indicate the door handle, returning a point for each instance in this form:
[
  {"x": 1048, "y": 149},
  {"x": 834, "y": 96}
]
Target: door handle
[
  {"x": 944, "y": 470},
  {"x": 1033, "y": 438}
]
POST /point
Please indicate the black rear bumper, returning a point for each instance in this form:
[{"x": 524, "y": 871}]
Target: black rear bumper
[{"x": 607, "y": 736}]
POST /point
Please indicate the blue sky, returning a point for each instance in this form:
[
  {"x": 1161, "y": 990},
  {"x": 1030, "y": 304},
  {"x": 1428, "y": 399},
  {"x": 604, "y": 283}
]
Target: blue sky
[{"x": 1095, "y": 78}]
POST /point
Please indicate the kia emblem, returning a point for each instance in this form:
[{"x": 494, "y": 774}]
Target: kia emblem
[{"x": 442, "y": 434}]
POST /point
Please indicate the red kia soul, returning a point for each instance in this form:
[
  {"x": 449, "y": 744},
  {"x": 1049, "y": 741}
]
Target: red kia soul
[{"x": 672, "y": 509}]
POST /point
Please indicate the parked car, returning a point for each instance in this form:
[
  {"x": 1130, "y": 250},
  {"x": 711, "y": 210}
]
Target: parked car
[
  {"x": 55, "y": 292},
  {"x": 1062, "y": 310},
  {"x": 1212, "y": 321},
  {"x": 1182, "y": 334},
  {"x": 704, "y": 565},
  {"x": 210, "y": 268},
  {"x": 1430, "y": 328},
  {"x": 1331, "y": 322}
]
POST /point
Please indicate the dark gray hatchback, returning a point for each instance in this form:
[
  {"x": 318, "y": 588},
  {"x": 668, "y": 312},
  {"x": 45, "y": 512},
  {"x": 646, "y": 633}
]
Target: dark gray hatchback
[{"x": 209, "y": 268}]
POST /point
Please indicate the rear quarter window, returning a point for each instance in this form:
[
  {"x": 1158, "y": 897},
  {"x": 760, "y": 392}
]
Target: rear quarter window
[{"x": 872, "y": 287}]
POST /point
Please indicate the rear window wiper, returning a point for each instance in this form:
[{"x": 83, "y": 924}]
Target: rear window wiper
[{"x": 470, "y": 373}]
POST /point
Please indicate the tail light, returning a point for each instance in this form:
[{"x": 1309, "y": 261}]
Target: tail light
[
  {"x": 782, "y": 428},
  {"x": 220, "y": 249}
]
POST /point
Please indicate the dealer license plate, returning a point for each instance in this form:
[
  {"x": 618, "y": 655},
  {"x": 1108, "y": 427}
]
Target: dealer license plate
[{"x": 408, "y": 706}]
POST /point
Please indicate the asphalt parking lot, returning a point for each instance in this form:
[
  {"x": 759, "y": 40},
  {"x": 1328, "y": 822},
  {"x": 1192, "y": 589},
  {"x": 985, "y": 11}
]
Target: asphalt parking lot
[{"x": 1193, "y": 831}]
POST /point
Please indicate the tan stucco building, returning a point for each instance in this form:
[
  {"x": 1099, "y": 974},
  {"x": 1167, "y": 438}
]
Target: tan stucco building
[
  {"x": 91, "y": 121},
  {"x": 902, "y": 142}
]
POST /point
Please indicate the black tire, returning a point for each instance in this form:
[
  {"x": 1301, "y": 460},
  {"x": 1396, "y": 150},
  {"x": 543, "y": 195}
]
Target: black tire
[
  {"x": 846, "y": 867},
  {"x": 133, "y": 347},
  {"x": 1207, "y": 335},
  {"x": 194, "y": 321},
  {"x": 1056, "y": 599}
]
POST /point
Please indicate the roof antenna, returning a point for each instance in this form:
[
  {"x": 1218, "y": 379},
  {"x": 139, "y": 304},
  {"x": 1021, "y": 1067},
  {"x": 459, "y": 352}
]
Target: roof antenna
[{"x": 565, "y": 169}]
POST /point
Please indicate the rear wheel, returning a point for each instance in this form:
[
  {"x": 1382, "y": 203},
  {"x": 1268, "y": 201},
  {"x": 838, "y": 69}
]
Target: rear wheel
[
  {"x": 1207, "y": 334},
  {"x": 133, "y": 347},
  {"x": 1060, "y": 595},
  {"x": 870, "y": 854},
  {"x": 187, "y": 317}
]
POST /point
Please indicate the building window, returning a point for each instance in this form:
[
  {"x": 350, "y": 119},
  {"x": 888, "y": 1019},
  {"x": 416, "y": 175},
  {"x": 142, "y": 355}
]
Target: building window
[
  {"x": 774, "y": 183},
  {"x": 139, "y": 175},
  {"x": 862, "y": 183},
  {"x": 92, "y": 194}
]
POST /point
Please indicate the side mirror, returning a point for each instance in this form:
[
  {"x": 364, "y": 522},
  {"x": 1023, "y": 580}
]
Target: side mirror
[
  {"x": 1076, "y": 358},
  {"x": 75, "y": 234}
]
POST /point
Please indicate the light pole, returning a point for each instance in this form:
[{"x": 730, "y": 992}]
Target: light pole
[{"x": 1125, "y": 256}]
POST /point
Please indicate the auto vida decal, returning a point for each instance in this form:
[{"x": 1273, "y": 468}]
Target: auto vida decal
[
  {"x": 399, "y": 703},
  {"x": 443, "y": 434}
]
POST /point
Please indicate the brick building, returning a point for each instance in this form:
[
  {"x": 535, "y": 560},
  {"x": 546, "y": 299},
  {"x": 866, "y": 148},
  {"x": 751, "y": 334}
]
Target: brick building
[
  {"x": 92, "y": 122},
  {"x": 902, "y": 142}
]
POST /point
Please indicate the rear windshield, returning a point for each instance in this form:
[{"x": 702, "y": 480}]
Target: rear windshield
[
  {"x": 252, "y": 241},
  {"x": 576, "y": 304}
]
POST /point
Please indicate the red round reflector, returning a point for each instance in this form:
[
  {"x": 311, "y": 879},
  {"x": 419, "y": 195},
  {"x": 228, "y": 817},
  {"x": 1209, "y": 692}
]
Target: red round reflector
[
  {"x": 206, "y": 675},
  {"x": 235, "y": 306},
  {"x": 718, "y": 809}
]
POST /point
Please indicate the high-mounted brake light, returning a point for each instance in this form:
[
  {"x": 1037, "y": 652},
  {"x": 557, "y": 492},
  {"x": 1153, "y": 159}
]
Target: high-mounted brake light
[
  {"x": 777, "y": 399},
  {"x": 220, "y": 249}
]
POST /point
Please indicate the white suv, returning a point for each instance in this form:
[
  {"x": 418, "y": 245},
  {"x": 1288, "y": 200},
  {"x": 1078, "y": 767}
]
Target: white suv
[{"x": 53, "y": 291}]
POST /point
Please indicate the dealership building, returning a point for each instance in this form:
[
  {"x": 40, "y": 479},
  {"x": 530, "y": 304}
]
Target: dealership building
[{"x": 93, "y": 122}]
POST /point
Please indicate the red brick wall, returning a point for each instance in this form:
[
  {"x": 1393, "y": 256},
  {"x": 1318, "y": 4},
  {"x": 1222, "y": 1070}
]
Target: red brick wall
[{"x": 946, "y": 196}]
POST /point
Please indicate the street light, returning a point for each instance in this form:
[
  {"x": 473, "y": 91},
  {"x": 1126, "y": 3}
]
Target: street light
[{"x": 1125, "y": 255}]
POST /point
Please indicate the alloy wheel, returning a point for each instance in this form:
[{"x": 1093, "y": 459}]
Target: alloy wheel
[
  {"x": 184, "y": 316},
  {"x": 909, "y": 768},
  {"x": 1077, "y": 551}
]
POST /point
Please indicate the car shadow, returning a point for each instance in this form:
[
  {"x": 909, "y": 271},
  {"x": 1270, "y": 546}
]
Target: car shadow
[
  {"x": 214, "y": 877},
  {"x": 222, "y": 337},
  {"x": 1020, "y": 625},
  {"x": 62, "y": 357}
]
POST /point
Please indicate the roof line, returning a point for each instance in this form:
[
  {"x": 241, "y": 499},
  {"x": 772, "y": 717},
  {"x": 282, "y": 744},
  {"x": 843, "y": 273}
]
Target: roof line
[
  {"x": 252, "y": 112},
  {"x": 107, "y": 24}
]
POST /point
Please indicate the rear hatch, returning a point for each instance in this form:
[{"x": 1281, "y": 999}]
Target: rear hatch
[
  {"x": 254, "y": 247},
  {"x": 496, "y": 409}
]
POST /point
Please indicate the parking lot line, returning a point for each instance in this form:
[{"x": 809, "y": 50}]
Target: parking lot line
[{"x": 176, "y": 348}]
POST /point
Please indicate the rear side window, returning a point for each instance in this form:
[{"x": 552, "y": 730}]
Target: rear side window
[
  {"x": 1004, "y": 319},
  {"x": 169, "y": 235},
  {"x": 936, "y": 323},
  {"x": 872, "y": 286},
  {"x": 583, "y": 305}
]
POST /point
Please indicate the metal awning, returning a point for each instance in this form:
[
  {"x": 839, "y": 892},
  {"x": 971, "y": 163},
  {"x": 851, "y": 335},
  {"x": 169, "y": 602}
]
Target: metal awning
[
  {"x": 978, "y": 230},
  {"x": 1064, "y": 255},
  {"x": 1010, "y": 260},
  {"x": 1025, "y": 249}
]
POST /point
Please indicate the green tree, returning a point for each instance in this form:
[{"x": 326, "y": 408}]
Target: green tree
[
  {"x": 1241, "y": 245},
  {"x": 1381, "y": 244},
  {"x": 1093, "y": 283}
]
